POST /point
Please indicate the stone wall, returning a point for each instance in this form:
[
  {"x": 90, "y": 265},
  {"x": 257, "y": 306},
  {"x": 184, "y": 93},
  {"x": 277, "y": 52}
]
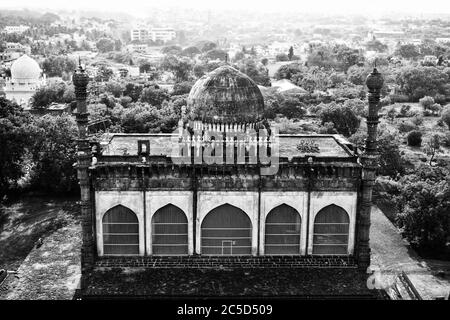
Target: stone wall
[{"x": 255, "y": 204}]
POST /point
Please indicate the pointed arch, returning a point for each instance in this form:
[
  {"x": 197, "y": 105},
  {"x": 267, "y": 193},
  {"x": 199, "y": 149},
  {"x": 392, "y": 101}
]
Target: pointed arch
[
  {"x": 120, "y": 229},
  {"x": 226, "y": 230},
  {"x": 282, "y": 231},
  {"x": 169, "y": 231},
  {"x": 331, "y": 231}
]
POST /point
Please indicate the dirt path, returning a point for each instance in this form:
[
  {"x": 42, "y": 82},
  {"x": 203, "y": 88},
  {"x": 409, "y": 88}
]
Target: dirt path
[
  {"x": 391, "y": 254},
  {"x": 51, "y": 272}
]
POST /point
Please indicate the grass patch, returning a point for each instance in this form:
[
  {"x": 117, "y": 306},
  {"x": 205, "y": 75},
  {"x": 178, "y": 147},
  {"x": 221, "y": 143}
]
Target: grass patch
[{"x": 23, "y": 222}]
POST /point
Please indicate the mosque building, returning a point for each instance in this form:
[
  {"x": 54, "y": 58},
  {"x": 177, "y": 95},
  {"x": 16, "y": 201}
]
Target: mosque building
[
  {"x": 26, "y": 78},
  {"x": 265, "y": 200}
]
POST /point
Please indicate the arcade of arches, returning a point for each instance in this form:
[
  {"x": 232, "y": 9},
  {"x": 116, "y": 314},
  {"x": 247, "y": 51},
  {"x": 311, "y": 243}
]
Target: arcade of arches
[{"x": 224, "y": 228}]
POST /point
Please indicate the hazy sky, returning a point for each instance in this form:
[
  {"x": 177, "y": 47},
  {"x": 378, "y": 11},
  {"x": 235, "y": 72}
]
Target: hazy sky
[{"x": 139, "y": 7}]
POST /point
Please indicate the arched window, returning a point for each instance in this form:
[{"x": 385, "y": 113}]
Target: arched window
[
  {"x": 226, "y": 230},
  {"x": 282, "y": 234},
  {"x": 169, "y": 231},
  {"x": 120, "y": 232},
  {"x": 331, "y": 231}
]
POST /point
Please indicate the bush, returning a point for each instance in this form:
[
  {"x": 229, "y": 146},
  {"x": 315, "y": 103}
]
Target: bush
[
  {"x": 405, "y": 109},
  {"x": 414, "y": 138},
  {"x": 327, "y": 128},
  {"x": 358, "y": 106},
  {"x": 436, "y": 109},
  {"x": 445, "y": 116},
  {"x": 282, "y": 57},
  {"x": 391, "y": 114},
  {"x": 417, "y": 120},
  {"x": 426, "y": 102},
  {"x": 440, "y": 98},
  {"x": 316, "y": 109},
  {"x": 385, "y": 101},
  {"x": 445, "y": 140},
  {"x": 406, "y": 126},
  {"x": 429, "y": 106}
]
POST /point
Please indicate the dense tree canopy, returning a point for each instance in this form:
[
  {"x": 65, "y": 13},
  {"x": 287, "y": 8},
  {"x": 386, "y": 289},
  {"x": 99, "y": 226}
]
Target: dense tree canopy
[
  {"x": 257, "y": 72},
  {"x": 58, "y": 66},
  {"x": 54, "y": 153},
  {"x": 180, "y": 67},
  {"x": 376, "y": 45},
  {"x": 345, "y": 120},
  {"x": 190, "y": 51},
  {"x": 182, "y": 88},
  {"x": 154, "y": 95},
  {"x": 15, "y": 137},
  {"x": 340, "y": 57},
  {"x": 173, "y": 50},
  {"x": 105, "y": 45},
  {"x": 388, "y": 146},
  {"x": 416, "y": 82},
  {"x": 58, "y": 92},
  {"x": 424, "y": 206},
  {"x": 407, "y": 51},
  {"x": 216, "y": 54}
]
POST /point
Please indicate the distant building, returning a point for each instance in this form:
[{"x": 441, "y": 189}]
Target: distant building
[
  {"x": 26, "y": 78},
  {"x": 139, "y": 33},
  {"x": 53, "y": 109},
  {"x": 388, "y": 34},
  {"x": 443, "y": 40},
  {"x": 14, "y": 51},
  {"x": 9, "y": 56},
  {"x": 136, "y": 47},
  {"x": 162, "y": 34},
  {"x": 143, "y": 33},
  {"x": 429, "y": 60},
  {"x": 15, "y": 29}
]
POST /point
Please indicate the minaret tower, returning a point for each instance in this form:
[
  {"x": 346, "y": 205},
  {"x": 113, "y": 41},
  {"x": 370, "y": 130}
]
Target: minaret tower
[
  {"x": 80, "y": 80},
  {"x": 369, "y": 161}
]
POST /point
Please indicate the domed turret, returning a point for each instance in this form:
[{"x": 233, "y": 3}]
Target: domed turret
[
  {"x": 226, "y": 95},
  {"x": 25, "y": 68},
  {"x": 374, "y": 80}
]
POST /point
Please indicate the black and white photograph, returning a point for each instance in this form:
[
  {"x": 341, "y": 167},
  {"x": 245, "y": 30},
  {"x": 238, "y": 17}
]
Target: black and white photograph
[{"x": 219, "y": 158}]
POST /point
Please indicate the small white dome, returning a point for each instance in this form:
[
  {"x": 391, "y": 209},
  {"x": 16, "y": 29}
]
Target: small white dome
[{"x": 25, "y": 68}]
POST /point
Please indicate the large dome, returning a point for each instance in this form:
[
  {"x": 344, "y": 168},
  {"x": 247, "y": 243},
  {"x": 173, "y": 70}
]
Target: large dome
[
  {"x": 226, "y": 95},
  {"x": 25, "y": 68}
]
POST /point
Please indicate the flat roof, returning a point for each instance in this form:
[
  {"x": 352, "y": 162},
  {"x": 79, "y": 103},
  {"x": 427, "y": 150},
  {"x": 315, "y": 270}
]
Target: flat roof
[{"x": 291, "y": 145}]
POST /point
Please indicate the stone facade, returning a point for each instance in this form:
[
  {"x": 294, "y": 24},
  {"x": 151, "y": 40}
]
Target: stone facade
[
  {"x": 255, "y": 204},
  {"x": 317, "y": 200}
]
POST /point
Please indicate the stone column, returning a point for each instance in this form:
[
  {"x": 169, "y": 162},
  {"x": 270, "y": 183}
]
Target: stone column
[
  {"x": 80, "y": 80},
  {"x": 369, "y": 161}
]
